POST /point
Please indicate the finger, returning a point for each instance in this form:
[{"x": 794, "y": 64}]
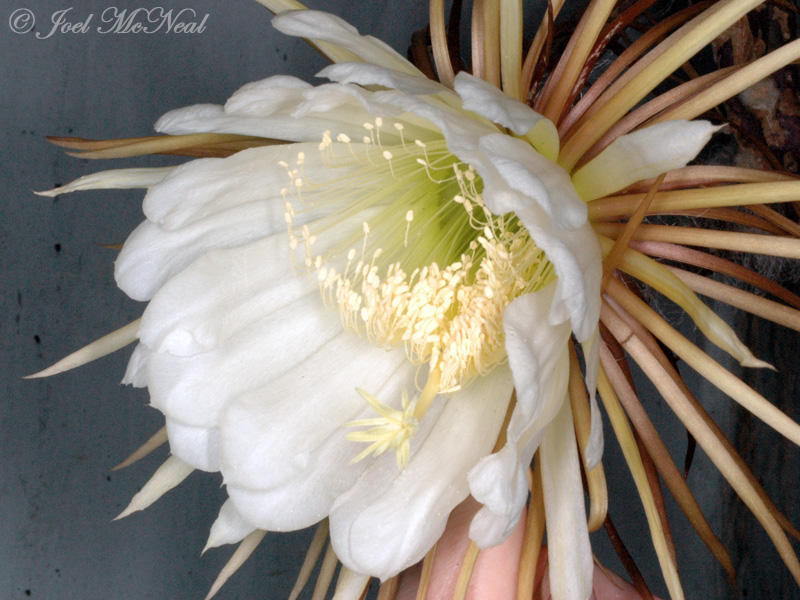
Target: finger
[{"x": 495, "y": 572}]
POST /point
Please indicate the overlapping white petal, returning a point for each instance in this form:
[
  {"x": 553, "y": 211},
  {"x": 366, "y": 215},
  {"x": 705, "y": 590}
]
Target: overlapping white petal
[
  {"x": 229, "y": 527},
  {"x": 196, "y": 446},
  {"x": 540, "y": 366},
  {"x": 152, "y": 255},
  {"x": 211, "y": 186},
  {"x": 317, "y": 25},
  {"x": 488, "y": 101},
  {"x": 369, "y": 74},
  {"x": 388, "y": 520},
  {"x": 569, "y": 551},
  {"x": 222, "y": 292},
  {"x": 299, "y": 431}
]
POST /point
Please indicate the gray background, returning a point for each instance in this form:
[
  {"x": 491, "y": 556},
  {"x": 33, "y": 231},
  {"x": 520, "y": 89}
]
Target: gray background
[{"x": 59, "y": 437}]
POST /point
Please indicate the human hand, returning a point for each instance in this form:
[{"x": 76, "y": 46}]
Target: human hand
[{"x": 496, "y": 569}]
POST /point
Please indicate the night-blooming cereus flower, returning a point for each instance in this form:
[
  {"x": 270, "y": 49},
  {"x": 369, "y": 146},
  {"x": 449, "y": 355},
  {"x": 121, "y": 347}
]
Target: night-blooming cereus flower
[{"x": 336, "y": 323}]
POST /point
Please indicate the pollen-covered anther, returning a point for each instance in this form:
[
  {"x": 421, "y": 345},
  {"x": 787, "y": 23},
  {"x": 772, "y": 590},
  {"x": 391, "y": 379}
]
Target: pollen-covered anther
[{"x": 449, "y": 318}]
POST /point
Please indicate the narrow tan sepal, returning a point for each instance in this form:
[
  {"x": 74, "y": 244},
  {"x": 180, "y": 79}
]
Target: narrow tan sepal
[
  {"x": 97, "y": 349},
  {"x": 166, "y": 477},
  {"x": 157, "y": 439},
  {"x": 312, "y": 555},
  {"x": 439, "y": 48},
  {"x": 532, "y": 542},
  {"x": 325, "y": 576},
  {"x": 240, "y": 555},
  {"x": 595, "y": 478},
  {"x": 610, "y": 359},
  {"x": 624, "y": 434},
  {"x": 465, "y": 574},
  {"x": 425, "y": 574},
  {"x": 388, "y": 589}
]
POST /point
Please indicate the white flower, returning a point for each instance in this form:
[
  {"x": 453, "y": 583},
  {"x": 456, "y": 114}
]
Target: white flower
[{"x": 436, "y": 258}]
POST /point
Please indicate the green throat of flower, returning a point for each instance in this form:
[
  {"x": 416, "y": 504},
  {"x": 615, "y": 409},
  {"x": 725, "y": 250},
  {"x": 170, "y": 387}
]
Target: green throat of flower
[{"x": 411, "y": 256}]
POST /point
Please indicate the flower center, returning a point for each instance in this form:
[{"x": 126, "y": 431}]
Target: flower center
[{"x": 413, "y": 257}]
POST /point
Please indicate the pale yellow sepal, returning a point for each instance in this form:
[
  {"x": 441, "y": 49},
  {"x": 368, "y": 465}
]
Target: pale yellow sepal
[
  {"x": 544, "y": 138},
  {"x": 662, "y": 279}
]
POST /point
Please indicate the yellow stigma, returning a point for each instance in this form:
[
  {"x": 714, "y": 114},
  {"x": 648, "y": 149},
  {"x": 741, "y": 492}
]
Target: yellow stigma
[
  {"x": 427, "y": 266},
  {"x": 393, "y": 429}
]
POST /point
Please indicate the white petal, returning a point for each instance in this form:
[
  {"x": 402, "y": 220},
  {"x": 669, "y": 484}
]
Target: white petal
[
  {"x": 255, "y": 120},
  {"x": 594, "y": 445},
  {"x": 460, "y": 132},
  {"x": 537, "y": 177},
  {"x": 210, "y": 186},
  {"x": 299, "y": 432},
  {"x": 151, "y": 254},
  {"x": 500, "y": 483},
  {"x": 645, "y": 153},
  {"x": 568, "y": 550},
  {"x": 535, "y": 354},
  {"x": 316, "y": 25},
  {"x": 487, "y": 100},
  {"x": 539, "y": 361},
  {"x": 350, "y": 106},
  {"x": 265, "y": 97},
  {"x": 371, "y": 74},
  {"x": 283, "y": 422},
  {"x": 576, "y": 256},
  {"x": 221, "y": 292},
  {"x": 410, "y": 508},
  {"x": 228, "y": 528},
  {"x": 117, "y": 179},
  {"x": 135, "y": 371},
  {"x": 193, "y": 390},
  {"x": 273, "y": 108},
  {"x": 181, "y": 120},
  {"x": 196, "y": 446},
  {"x": 350, "y": 585}
]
